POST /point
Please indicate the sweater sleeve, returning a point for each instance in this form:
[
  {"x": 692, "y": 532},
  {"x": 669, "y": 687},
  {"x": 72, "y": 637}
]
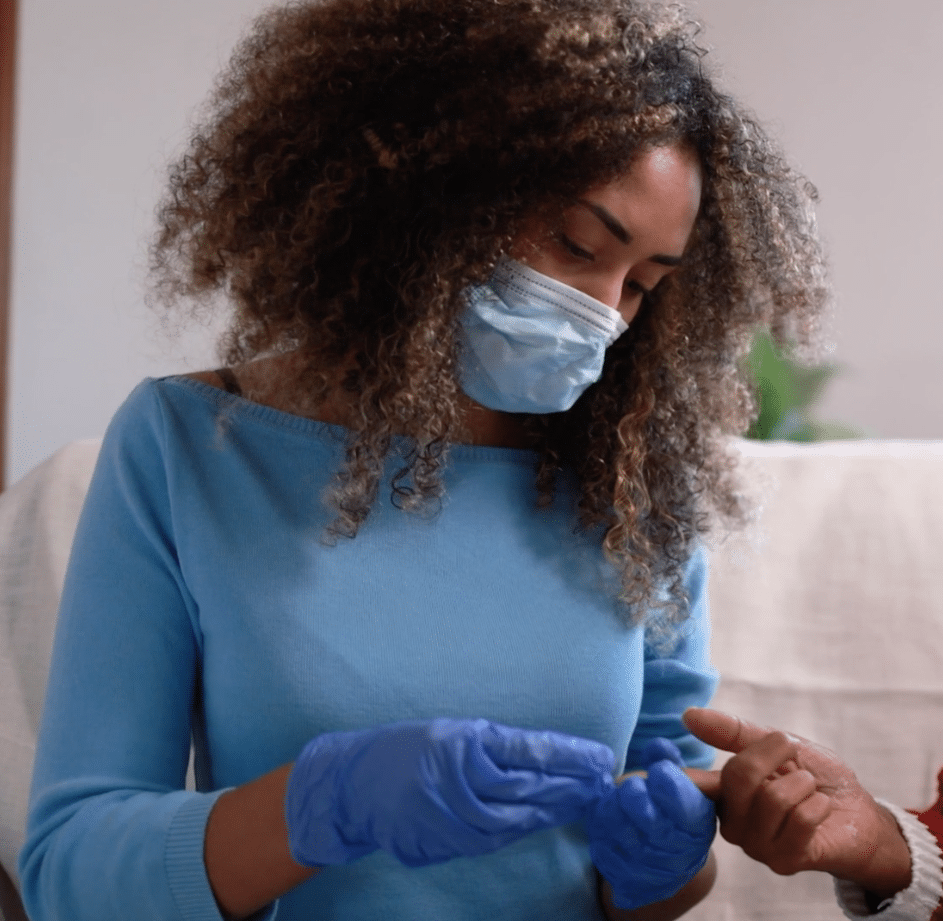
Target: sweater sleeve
[
  {"x": 680, "y": 679},
  {"x": 932, "y": 816},
  {"x": 920, "y": 901},
  {"x": 111, "y": 832}
]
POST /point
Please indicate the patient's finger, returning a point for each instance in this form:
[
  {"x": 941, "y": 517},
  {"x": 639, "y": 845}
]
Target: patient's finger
[
  {"x": 772, "y": 810},
  {"x": 745, "y": 776},
  {"x": 629, "y": 774},
  {"x": 708, "y": 782},
  {"x": 722, "y": 730}
]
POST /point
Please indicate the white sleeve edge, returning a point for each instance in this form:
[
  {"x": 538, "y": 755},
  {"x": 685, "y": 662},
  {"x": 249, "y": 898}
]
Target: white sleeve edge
[{"x": 920, "y": 899}]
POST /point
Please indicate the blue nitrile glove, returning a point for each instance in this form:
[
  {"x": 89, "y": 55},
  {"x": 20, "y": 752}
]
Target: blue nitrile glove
[
  {"x": 651, "y": 835},
  {"x": 428, "y": 791}
]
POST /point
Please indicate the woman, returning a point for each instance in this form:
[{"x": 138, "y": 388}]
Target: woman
[
  {"x": 425, "y": 553},
  {"x": 793, "y": 805}
]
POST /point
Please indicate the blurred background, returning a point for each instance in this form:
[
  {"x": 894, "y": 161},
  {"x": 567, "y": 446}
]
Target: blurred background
[{"x": 105, "y": 90}]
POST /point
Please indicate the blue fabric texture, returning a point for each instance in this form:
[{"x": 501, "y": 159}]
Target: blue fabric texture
[{"x": 201, "y": 602}]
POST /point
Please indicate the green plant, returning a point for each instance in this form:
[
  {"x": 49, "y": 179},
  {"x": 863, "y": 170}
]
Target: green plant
[{"x": 786, "y": 391}]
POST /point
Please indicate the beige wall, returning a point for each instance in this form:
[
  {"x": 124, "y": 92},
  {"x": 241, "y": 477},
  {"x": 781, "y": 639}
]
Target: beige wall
[
  {"x": 853, "y": 90},
  {"x": 106, "y": 87}
]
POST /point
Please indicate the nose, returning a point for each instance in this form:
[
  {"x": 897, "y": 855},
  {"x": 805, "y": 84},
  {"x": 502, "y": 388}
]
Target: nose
[{"x": 605, "y": 288}]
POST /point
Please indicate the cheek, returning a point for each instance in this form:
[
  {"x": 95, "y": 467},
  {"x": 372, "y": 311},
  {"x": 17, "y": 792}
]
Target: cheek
[
  {"x": 536, "y": 252},
  {"x": 629, "y": 310}
]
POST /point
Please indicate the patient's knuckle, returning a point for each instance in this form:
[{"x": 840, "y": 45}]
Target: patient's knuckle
[
  {"x": 810, "y": 812},
  {"x": 738, "y": 773},
  {"x": 779, "y": 741},
  {"x": 779, "y": 796},
  {"x": 805, "y": 784},
  {"x": 805, "y": 817}
]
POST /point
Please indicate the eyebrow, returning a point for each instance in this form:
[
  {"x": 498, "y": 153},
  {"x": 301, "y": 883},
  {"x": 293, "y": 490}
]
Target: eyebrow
[{"x": 622, "y": 235}]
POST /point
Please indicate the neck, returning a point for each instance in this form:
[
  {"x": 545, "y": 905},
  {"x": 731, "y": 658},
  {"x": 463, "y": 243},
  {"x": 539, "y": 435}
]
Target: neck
[
  {"x": 497, "y": 429},
  {"x": 263, "y": 381}
]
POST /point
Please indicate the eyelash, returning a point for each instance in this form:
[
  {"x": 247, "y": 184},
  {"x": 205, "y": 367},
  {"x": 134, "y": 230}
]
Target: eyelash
[
  {"x": 575, "y": 250},
  {"x": 581, "y": 253}
]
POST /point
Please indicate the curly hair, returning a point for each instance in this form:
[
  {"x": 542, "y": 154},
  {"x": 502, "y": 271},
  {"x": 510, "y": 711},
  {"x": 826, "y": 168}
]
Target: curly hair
[{"x": 361, "y": 162}]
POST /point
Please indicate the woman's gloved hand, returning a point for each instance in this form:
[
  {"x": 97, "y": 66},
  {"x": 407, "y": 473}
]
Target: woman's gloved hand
[
  {"x": 650, "y": 835},
  {"x": 428, "y": 791}
]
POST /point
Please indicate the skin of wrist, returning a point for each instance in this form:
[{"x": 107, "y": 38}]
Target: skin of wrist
[
  {"x": 885, "y": 868},
  {"x": 680, "y": 903},
  {"x": 248, "y": 861}
]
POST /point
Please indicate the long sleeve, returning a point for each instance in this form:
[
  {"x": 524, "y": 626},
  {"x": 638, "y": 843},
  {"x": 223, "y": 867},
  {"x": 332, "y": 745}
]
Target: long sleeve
[
  {"x": 202, "y": 600},
  {"x": 110, "y": 824},
  {"x": 680, "y": 679}
]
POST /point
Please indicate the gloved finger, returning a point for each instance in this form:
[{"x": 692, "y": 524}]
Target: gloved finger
[
  {"x": 546, "y": 751},
  {"x": 616, "y": 849},
  {"x": 660, "y": 749},
  {"x": 629, "y": 803},
  {"x": 493, "y": 784},
  {"x": 503, "y": 796},
  {"x": 499, "y": 825},
  {"x": 605, "y": 818},
  {"x": 641, "y": 871},
  {"x": 676, "y": 796},
  {"x": 637, "y": 877},
  {"x": 493, "y": 799},
  {"x": 510, "y": 820},
  {"x": 469, "y": 830}
]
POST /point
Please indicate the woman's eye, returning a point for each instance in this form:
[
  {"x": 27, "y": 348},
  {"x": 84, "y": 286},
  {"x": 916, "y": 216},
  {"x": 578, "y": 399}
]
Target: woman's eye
[
  {"x": 577, "y": 251},
  {"x": 636, "y": 288}
]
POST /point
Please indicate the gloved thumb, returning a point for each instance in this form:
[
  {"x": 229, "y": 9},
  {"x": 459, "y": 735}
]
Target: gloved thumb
[
  {"x": 545, "y": 751},
  {"x": 661, "y": 749},
  {"x": 678, "y": 797}
]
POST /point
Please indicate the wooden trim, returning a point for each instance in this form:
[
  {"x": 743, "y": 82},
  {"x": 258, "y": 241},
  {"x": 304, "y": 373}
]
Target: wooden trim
[{"x": 8, "y": 20}]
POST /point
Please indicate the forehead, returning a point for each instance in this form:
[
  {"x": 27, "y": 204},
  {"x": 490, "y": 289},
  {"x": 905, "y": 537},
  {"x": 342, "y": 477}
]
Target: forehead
[{"x": 659, "y": 195}]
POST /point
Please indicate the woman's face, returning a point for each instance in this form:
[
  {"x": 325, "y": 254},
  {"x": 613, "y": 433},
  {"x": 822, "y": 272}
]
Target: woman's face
[{"x": 623, "y": 238}]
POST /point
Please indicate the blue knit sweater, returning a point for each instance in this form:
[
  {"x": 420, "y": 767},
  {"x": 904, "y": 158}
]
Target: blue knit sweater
[{"x": 202, "y": 603}]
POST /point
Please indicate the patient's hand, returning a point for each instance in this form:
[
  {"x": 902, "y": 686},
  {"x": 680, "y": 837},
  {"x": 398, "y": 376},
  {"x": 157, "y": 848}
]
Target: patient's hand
[{"x": 793, "y": 805}]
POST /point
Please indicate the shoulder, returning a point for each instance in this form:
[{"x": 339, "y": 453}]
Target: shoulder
[
  {"x": 160, "y": 412},
  {"x": 213, "y": 378},
  {"x": 228, "y": 379}
]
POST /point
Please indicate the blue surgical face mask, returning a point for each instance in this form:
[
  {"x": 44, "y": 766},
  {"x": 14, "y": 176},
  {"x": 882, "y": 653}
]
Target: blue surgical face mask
[{"x": 532, "y": 344}]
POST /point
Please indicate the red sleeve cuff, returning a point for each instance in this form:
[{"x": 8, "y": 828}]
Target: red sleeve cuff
[{"x": 932, "y": 817}]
